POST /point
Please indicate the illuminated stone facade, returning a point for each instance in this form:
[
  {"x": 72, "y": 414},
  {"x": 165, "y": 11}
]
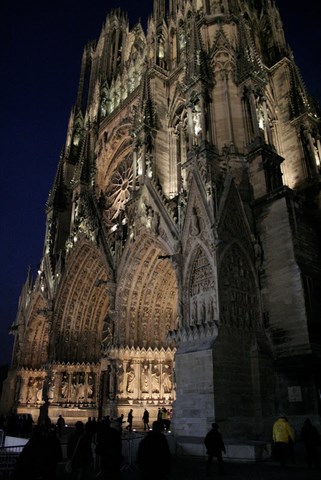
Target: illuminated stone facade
[{"x": 181, "y": 263}]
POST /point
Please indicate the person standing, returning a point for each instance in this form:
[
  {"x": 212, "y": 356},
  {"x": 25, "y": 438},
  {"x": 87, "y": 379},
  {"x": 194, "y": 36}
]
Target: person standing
[
  {"x": 215, "y": 446},
  {"x": 154, "y": 457},
  {"x": 311, "y": 439},
  {"x": 39, "y": 457},
  {"x": 79, "y": 452},
  {"x": 130, "y": 417},
  {"x": 283, "y": 437},
  {"x": 60, "y": 425},
  {"x": 109, "y": 450},
  {"x": 146, "y": 419}
]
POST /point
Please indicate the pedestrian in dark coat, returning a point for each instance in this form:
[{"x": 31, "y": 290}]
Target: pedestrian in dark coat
[
  {"x": 215, "y": 446},
  {"x": 39, "y": 457},
  {"x": 60, "y": 425},
  {"x": 311, "y": 439},
  {"x": 130, "y": 420},
  {"x": 79, "y": 451},
  {"x": 146, "y": 419},
  {"x": 154, "y": 458},
  {"x": 109, "y": 450}
]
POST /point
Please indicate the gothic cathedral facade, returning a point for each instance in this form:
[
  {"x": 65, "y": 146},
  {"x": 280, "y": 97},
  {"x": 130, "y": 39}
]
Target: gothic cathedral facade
[{"x": 181, "y": 264}]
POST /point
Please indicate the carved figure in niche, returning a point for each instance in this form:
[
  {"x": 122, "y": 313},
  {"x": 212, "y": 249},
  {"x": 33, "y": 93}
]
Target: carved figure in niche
[
  {"x": 30, "y": 395},
  {"x": 161, "y": 53},
  {"x": 145, "y": 378},
  {"x": 210, "y": 312},
  {"x": 181, "y": 40},
  {"x": 260, "y": 113},
  {"x": 218, "y": 7},
  {"x": 167, "y": 379},
  {"x": 51, "y": 391},
  {"x": 195, "y": 224},
  {"x": 149, "y": 165},
  {"x": 48, "y": 389},
  {"x": 74, "y": 387},
  {"x": 194, "y": 312},
  {"x": 45, "y": 388},
  {"x": 64, "y": 386},
  {"x": 120, "y": 378},
  {"x": 155, "y": 222},
  {"x": 161, "y": 48},
  {"x": 39, "y": 387},
  {"x": 91, "y": 386},
  {"x": 81, "y": 391},
  {"x": 203, "y": 312},
  {"x": 155, "y": 379},
  {"x": 139, "y": 160},
  {"x": 197, "y": 128},
  {"x": 107, "y": 332},
  {"x": 130, "y": 378}
]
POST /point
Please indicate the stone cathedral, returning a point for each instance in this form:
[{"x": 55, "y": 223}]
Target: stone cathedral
[{"x": 181, "y": 263}]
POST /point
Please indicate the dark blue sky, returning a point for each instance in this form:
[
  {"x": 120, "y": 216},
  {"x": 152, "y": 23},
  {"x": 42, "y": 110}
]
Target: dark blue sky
[{"x": 41, "y": 46}]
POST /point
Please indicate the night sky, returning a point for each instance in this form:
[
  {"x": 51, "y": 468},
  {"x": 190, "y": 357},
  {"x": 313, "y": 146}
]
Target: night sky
[{"x": 41, "y": 46}]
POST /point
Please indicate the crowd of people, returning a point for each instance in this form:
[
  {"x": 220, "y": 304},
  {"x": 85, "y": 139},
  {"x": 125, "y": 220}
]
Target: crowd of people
[
  {"x": 17, "y": 425},
  {"x": 96, "y": 446}
]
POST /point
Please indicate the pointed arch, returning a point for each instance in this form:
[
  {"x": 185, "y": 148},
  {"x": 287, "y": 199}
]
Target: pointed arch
[
  {"x": 238, "y": 290},
  {"x": 35, "y": 352},
  {"x": 200, "y": 293},
  {"x": 81, "y": 306},
  {"x": 146, "y": 300}
]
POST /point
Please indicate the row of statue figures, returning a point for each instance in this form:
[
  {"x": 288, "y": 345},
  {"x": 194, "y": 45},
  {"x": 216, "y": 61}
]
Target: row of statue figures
[
  {"x": 68, "y": 387},
  {"x": 132, "y": 379},
  {"x": 135, "y": 379}
]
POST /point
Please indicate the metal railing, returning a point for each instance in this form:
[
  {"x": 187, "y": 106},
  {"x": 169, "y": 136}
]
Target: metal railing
[
  {"x": 130, "y": 445},
  {"x": 8, "y": 459}
]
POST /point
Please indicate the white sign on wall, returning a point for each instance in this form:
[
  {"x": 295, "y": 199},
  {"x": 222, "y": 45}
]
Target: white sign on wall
[{"x": 295, "y": 394}]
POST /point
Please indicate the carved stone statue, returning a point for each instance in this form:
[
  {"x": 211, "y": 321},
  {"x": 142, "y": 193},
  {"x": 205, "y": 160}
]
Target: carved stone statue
[
  {"x": 155, "y": 379},
  {"x": 64, "y": 387},
  {"x": 145, "y": 379},
  {"x": 167, "y": 379},
  {"x": 130, "y": 379}
]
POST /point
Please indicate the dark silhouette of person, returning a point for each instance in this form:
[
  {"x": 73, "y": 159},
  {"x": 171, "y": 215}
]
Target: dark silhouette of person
[
  {"x": 120, "y": 420},
  {"x": 91, "y": 427},
  {"x": 159, "y": 416},
  {"x": 215, "y": 446},
  {"x": 55, "y": 454},
  {"x": 60, "y": 425},
  {"x": 154, "y": 457},
  {"x": 146, "y": 419},
  {"x": 39, "y": 457},
  {"x": 79, "y": 451},
  {"x": 109, "y": 451},
  {"x": 44, "y": 420},
  {"x": 130, "y": 417},
  {"x": 312, "y": 441}
]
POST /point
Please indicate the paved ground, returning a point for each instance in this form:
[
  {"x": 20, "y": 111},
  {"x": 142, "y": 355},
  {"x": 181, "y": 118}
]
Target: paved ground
[{"x": 191, "y": 468}]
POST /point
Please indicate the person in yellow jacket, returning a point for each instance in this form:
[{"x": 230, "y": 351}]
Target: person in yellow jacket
[{"x": 283, "y": 438}]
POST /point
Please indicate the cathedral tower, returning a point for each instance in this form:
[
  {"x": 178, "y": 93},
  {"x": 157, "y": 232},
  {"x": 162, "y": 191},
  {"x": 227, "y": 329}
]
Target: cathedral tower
[{"x": 181, "y": 261}]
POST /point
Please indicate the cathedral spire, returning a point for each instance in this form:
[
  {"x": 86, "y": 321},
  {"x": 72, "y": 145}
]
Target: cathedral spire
[
  {"x": 249, "y": 63},
  {"x": 159, "y": 11},
  {"x": 196, "y": 62}
]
